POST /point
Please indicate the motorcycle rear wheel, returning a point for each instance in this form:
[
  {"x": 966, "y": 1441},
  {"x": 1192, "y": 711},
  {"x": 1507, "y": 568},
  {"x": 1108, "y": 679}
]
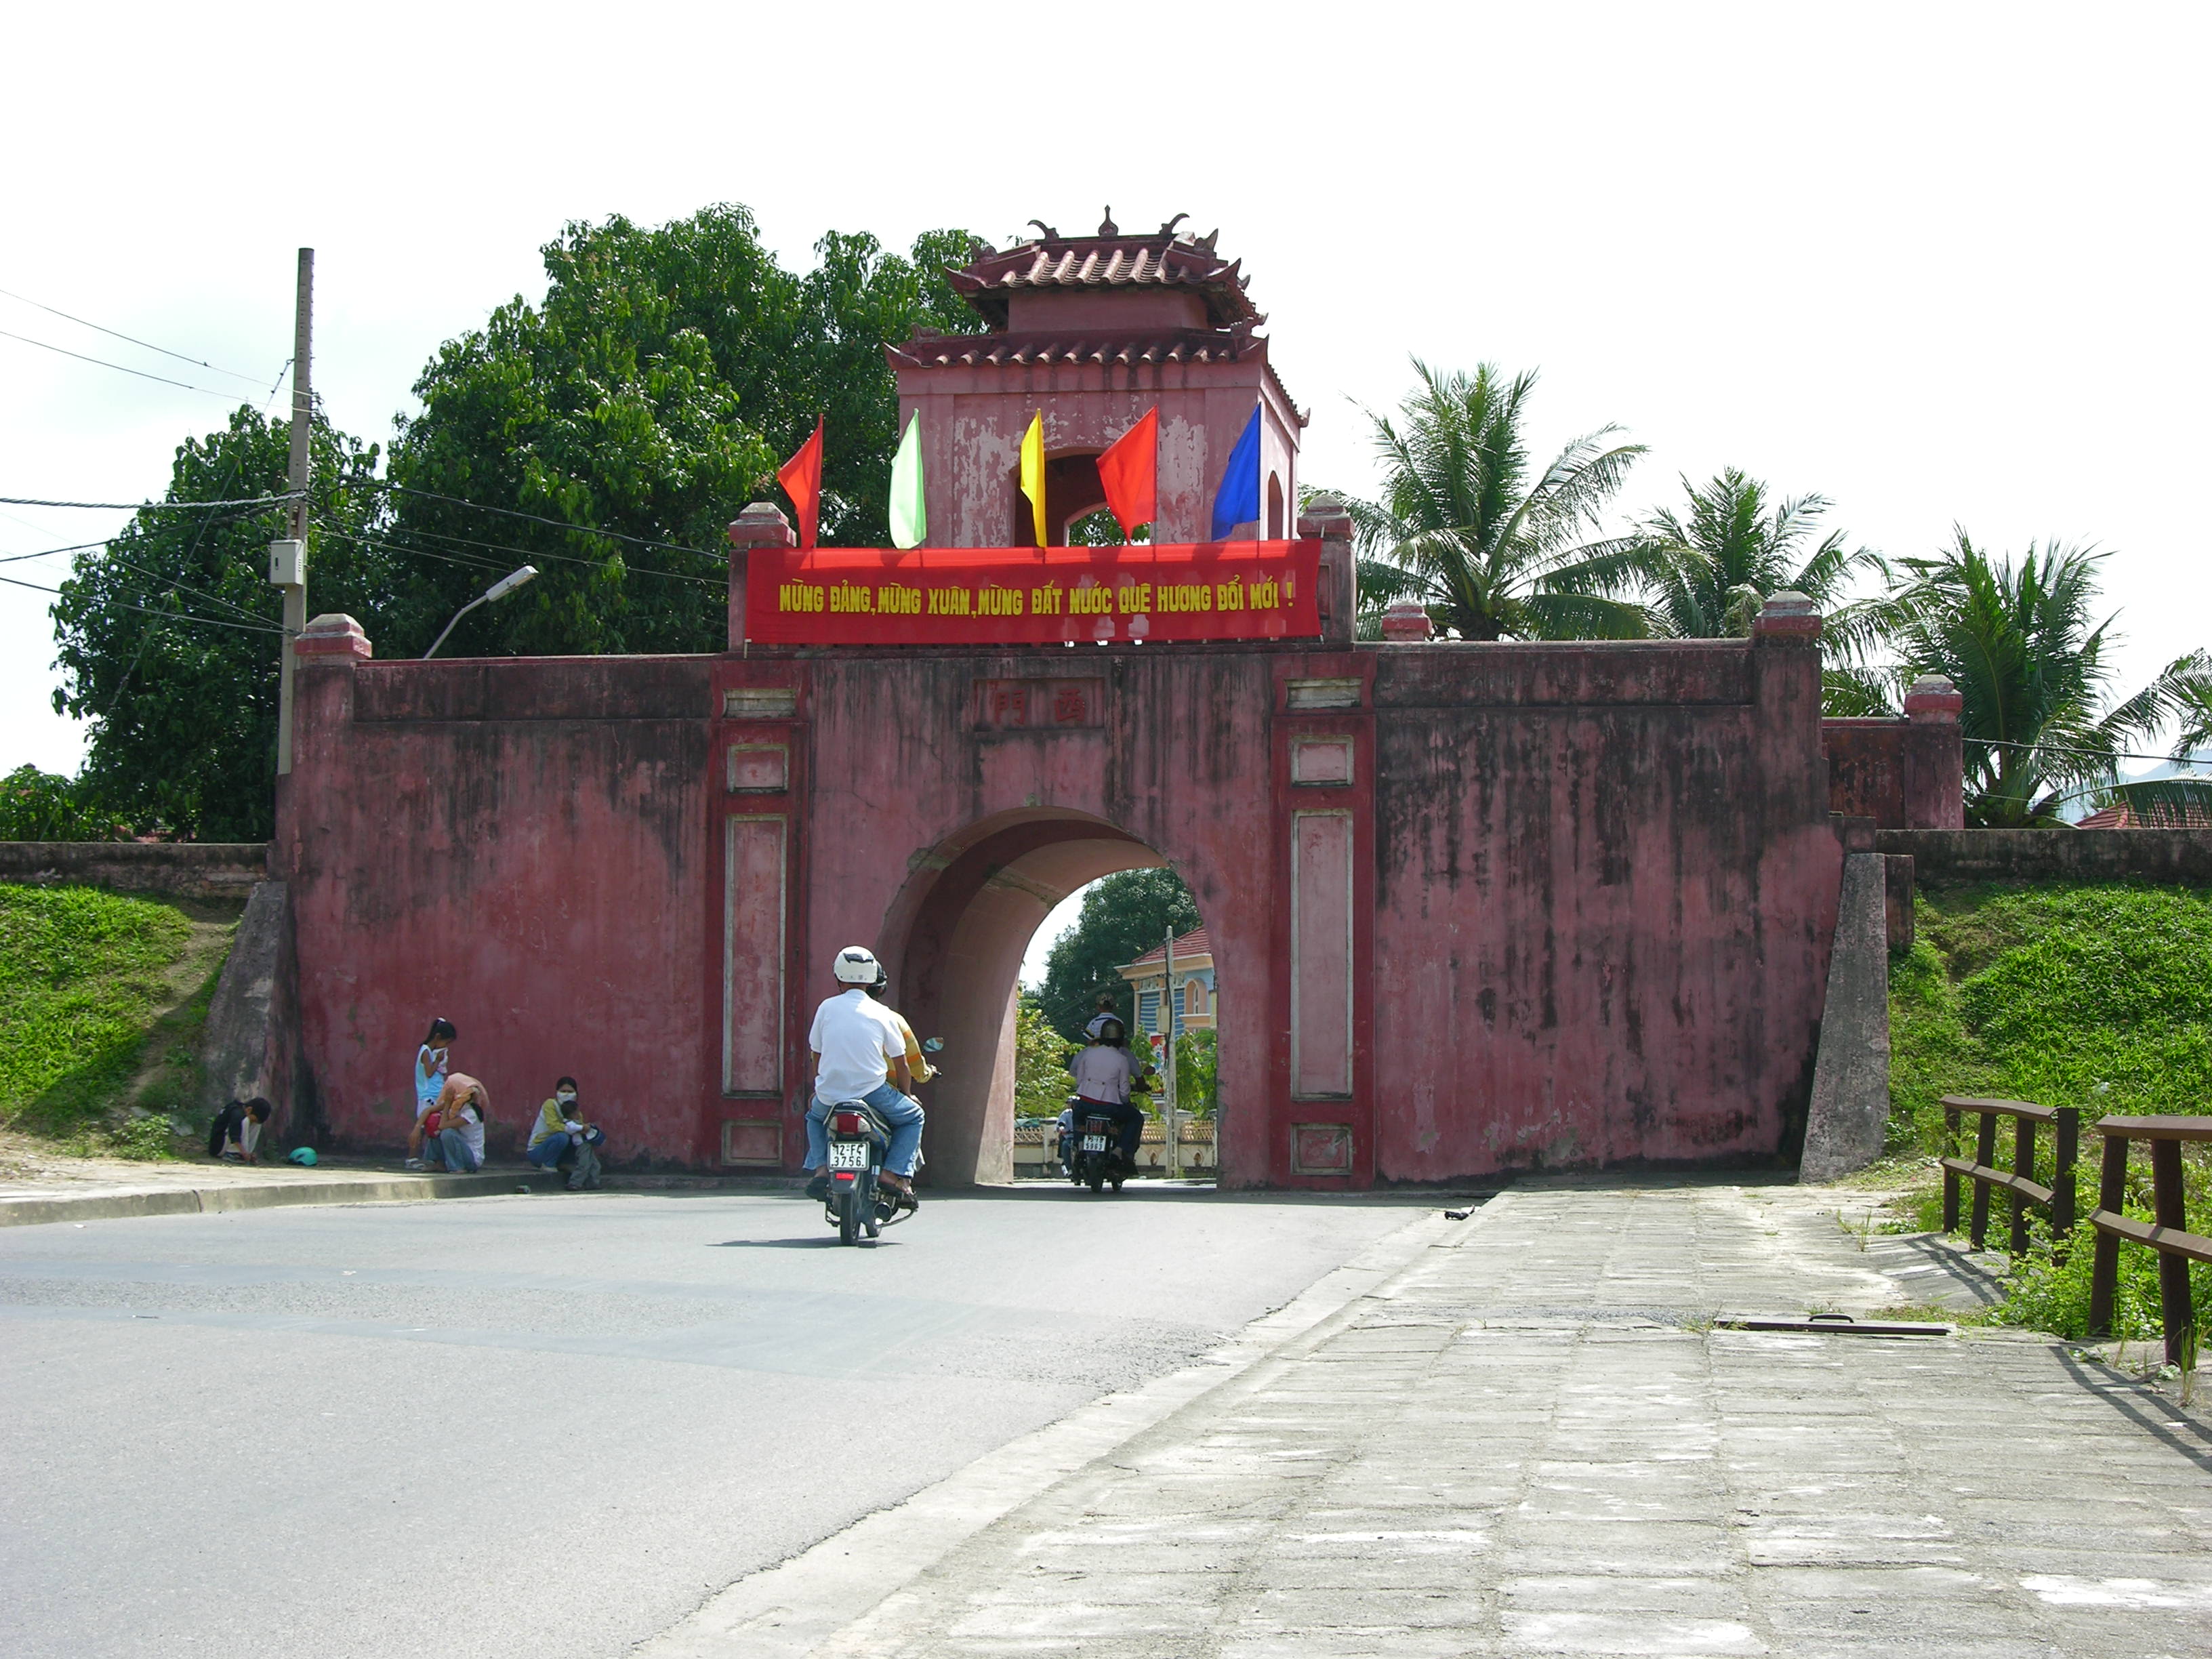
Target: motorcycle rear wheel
[
  {"x": 848, "y": 1215},
  {"x": 1096, "y": 1178}
]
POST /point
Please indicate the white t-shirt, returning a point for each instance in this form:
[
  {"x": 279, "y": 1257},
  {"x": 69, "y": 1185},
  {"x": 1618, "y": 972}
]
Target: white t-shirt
[
  {"x": 1103, "y": 1073},
  {"x": 471, "y": 1128},
  {"x": 857, "y": 1038}
]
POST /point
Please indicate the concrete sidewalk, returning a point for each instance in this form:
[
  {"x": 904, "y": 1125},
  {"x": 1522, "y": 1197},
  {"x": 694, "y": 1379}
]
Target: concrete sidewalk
[{"x": 1531, "y": 1441}]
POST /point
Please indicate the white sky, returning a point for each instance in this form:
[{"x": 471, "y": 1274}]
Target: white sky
[{"x": 1937, "y": 262}]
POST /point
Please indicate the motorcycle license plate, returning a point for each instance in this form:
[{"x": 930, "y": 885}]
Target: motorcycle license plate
[
  {"x": 1094, "y": 1143},
  {"x": 848, "y": 1154}
]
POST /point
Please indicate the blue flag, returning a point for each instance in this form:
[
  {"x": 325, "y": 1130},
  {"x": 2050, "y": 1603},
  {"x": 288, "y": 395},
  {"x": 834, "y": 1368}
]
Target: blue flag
[{"x": 1238, "y": 501}]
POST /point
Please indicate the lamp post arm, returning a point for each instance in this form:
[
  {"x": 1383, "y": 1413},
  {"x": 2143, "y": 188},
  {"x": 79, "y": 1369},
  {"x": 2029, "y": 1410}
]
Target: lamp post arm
[{"x": 450, "y": 626}]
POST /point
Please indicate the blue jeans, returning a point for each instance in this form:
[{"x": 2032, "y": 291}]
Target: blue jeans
[
  {"x": 446, "y": 1148},
  {"x": 904, "y": 1115},
  {"x": 555, "y": 1151}
]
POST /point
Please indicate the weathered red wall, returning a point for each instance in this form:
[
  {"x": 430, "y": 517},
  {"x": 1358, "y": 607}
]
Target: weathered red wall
[
  {"x": 1606, "y": 892},
  {"x": 1575, "y": 899},
  {"x": 517, "y": 845}
]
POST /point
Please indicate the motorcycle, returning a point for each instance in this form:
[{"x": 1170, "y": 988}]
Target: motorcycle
[
  {"x": 1097, "y": 1158},
  {"x": 859, "y": 1205}
]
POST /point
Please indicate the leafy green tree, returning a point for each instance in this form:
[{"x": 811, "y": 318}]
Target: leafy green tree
[
  {"x": 167, "y": 637},
  {"x": 1492, "y": 547},
  {"x": 2020, "y": 642},
  {"x": 37, "y": 806},
  {"x": 1041, "y": 1076},
  {"x": 1197, "y": 1073},
  {"x": 1716, "y": 564},
  {"x": 652, "y": 393},
  {"x": 1123, "y": 916}
]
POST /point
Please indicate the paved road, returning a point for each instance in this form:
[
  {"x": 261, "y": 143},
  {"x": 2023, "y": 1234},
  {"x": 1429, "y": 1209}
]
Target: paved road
[
  {"x": 1529, "y": 1443},
  {"x": 552, "y": 1426}
]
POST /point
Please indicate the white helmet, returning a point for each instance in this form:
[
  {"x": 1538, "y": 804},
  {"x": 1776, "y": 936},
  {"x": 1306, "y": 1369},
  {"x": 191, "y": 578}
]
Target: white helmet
[{"x": 856, "y": 965}]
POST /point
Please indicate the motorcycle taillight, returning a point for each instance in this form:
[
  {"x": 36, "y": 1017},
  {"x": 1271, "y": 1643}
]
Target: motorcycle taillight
[{"x": 847, "y": 1123}]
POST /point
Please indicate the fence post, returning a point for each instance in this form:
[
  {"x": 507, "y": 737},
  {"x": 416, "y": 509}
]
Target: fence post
[
  {"x": 1986, "y": 1154},
  {"x": 2023, "y": 1164},
  {"x": 2061, "y": 1180},
  {"x": 2173, "y": 1300},
  {"x": 2105, "y": 1265},
  {"x": 1950, "y": 1176}
]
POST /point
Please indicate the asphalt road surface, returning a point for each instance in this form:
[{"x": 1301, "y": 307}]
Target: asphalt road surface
[{"x": 552, "y": 1425}]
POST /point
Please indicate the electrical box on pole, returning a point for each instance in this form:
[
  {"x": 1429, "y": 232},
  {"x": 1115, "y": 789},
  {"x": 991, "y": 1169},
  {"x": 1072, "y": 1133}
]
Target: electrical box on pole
[{"x": 294, "y": 583}]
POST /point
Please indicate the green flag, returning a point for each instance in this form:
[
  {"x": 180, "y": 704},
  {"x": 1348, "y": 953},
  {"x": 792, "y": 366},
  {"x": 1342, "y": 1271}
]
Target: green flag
[{"x": 909, "y": 516}]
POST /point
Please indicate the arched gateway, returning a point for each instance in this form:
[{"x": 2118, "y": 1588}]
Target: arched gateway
[{"x": 1473, "y": 906}]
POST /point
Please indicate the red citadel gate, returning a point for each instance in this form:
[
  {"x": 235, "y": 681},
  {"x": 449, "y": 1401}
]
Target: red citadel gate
[{"x": 1472, "y": 906}]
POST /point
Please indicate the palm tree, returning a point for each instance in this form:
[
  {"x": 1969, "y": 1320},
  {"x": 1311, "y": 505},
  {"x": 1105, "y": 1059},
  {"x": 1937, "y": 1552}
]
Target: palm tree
[
  {"x": 1462, "y": 528},
  {"x": 1736, "y": 547},
  {"x": 2018, "y": 643}
]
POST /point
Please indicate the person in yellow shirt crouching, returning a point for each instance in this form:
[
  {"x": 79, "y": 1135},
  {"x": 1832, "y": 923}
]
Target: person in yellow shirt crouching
[{"x": 564, "y": 1139}]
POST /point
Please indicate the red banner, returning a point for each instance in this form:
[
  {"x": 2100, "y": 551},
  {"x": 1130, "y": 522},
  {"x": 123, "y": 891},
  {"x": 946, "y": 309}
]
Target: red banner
[{"x": 1032, "y": 595}]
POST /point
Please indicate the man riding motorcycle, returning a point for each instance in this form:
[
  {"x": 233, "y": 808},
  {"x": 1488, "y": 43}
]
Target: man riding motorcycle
[
  {"x": 860, "y": 1053},
  {"x": 1103, "y": 1077}
]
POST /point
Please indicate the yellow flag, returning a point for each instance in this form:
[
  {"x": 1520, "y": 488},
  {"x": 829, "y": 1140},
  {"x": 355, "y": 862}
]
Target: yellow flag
[{"x": 1033, "y": 471}]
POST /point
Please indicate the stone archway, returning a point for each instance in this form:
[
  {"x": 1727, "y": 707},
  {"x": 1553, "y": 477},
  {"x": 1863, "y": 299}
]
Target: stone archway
[{"x": 955, "y": 943}]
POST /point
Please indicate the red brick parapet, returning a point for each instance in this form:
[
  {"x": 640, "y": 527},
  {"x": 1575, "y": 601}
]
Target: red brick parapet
[
  {"x": 761, "y": 525},
  {"x": 1326, "y": 520},
  {"x": 333, "y": 636}
]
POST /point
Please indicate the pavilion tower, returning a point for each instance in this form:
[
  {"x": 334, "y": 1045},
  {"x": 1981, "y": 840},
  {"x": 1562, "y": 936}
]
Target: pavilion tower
[{"x": 1093, "y": 331}]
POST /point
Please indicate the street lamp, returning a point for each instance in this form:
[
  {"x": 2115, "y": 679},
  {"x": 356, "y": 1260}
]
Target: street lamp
[{"x": 498, "y": 591}]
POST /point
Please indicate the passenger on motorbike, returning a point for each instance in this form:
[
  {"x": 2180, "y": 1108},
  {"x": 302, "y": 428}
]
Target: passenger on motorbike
[
  {"x": 1103, "y": 1075},
  {"x": 859, "y": 1048}
]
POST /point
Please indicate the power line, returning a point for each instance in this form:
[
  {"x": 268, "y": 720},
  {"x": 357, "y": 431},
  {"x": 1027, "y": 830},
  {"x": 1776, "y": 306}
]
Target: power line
[
  {"x": 102, "y": 362},
  {"x": 502, "y": 547},
  {"x": 2061, "y": 749},
  {"x": 557, "y": 524},
  {"x": 117, "y": 334},
  {"x": 168, "y": 616},
  {"x": 154, "y": 507},
  {"x": 77, "y": 547}
]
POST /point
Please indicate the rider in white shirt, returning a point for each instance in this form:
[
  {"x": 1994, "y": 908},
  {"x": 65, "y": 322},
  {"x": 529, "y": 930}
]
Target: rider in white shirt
[
  {"x": 858, "y": 1048},
  {"x": 1103, "y": 1075}
]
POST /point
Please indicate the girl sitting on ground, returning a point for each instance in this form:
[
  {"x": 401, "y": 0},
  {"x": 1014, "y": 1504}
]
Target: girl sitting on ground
[{"x": 563, "y": 1138}]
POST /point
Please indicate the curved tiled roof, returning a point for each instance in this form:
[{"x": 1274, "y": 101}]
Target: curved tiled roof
[
  {"x": 1109, "y": 262},
  {"x": 1174, "y": 346}
]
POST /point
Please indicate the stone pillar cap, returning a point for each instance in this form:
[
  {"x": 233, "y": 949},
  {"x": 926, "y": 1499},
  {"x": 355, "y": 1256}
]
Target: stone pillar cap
[
  {"x": 1787, "y": 617},
  {"x": 1933, "y": 700},
  {"x": 1406, "y": 620},
  {"x": 1324, "y": 516},
  {"x": 762, "y": 525},
  {"x": 333, "y": 634}
]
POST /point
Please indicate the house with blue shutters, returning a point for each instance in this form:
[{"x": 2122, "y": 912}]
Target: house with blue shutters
[{"x": 1192, "y": 995}]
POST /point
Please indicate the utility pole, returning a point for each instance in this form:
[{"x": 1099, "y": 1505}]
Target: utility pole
[
  {"x": 287, "y": 560},
  {"x": 1168, "y": 1113}
]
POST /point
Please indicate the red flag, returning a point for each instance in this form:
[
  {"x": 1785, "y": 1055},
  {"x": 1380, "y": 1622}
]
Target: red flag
[
  {"x": 1130, "y": 471},
  {"x": 801, "y": 478}
]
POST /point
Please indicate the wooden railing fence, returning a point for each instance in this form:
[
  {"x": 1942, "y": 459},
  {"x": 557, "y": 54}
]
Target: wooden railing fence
[
  {"x": 2176, "y": 1247},
  {"x": 1981, "y": 1169}
]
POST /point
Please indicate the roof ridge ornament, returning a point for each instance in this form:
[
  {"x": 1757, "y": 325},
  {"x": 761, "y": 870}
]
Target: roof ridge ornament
[
  {"x": 1168, "y": 229},
  {"x": 1106, "y": 226}
]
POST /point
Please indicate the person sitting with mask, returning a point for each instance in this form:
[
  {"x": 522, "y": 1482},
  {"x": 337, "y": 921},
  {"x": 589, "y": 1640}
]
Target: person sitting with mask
[{"x": 564, "y": 1139}]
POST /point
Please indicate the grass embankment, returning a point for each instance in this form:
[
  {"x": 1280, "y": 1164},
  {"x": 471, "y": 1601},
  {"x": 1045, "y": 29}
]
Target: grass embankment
[
  {"x": 2098, "y": 997},
  {"x": 102, "y": 998}
]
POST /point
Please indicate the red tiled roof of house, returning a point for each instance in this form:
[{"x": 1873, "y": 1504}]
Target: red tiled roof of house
[
  {"x": 1192, "y": 943},
  {"x": 2155, "y": 815},
  {"x": 1155, "y": 261}
]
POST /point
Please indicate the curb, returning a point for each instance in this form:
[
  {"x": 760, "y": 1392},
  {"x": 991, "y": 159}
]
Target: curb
[
  {"x": 829, "y": 1592},
  {"x": 215, "y": 1200}
]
